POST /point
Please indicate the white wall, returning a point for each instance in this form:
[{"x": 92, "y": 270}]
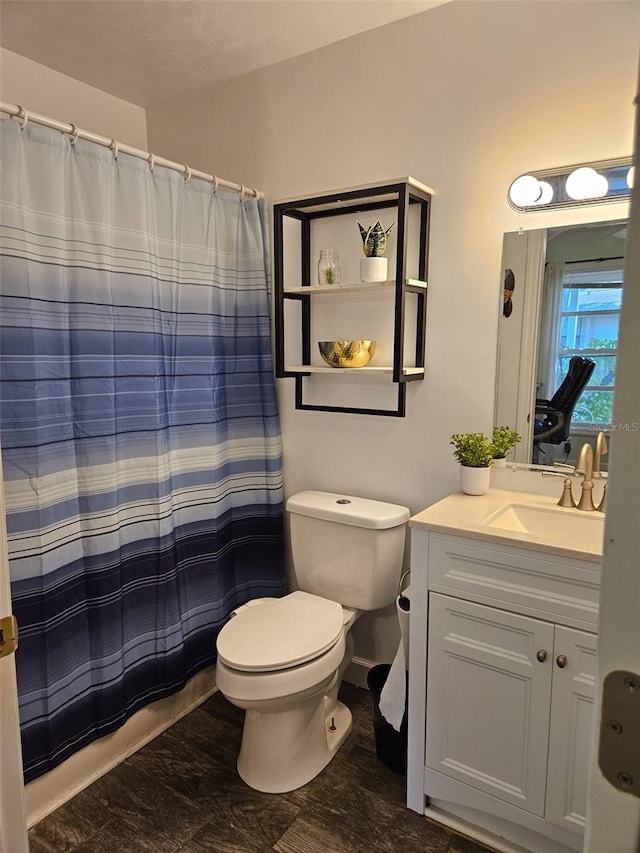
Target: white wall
[
  {"x": 464, "y": 97},
  {"x": 40, "y": 89}
]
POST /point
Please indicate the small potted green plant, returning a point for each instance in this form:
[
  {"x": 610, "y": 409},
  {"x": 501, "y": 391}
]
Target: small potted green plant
[
  {"x": 504, "y": 438},
  {"x": 474, "y": 452},
  {"x": 373, "y": 267}
]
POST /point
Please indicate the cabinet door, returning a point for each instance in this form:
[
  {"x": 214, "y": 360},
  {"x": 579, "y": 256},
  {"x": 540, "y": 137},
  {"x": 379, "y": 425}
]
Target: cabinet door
[
  {"x": 488, "y": 699},
  {"x": 571, "y": 732}
]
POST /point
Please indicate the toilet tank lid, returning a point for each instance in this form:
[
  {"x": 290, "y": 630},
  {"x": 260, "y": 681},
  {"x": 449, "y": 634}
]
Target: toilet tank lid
[{"x": 347, "y": 509}]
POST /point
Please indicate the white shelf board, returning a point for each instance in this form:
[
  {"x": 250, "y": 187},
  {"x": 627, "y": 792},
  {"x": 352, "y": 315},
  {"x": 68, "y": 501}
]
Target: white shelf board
[
  {"x": 362, "y": 286},
  {"x": 409, "y": 180},
  {"x": 382, "y": 369}
]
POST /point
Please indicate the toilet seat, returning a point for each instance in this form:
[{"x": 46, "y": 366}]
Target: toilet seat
[
  {"x": 281, "y": 685},
  {"x": 274, "y": 634}
]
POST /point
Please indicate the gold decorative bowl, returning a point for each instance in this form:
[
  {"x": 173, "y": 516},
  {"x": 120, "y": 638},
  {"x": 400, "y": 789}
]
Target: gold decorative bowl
[{"x": 347, "y": 353}]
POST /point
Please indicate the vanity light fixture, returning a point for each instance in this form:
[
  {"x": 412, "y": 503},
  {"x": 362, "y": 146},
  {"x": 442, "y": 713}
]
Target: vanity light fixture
[{"x": 570, "y": 186}]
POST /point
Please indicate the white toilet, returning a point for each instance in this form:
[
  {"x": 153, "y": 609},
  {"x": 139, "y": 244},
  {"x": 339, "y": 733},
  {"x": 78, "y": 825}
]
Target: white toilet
[{"x": 282, "y": 659}]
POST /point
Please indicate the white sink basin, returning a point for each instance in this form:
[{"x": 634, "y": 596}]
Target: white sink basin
[{"x": 552, "y": 525}]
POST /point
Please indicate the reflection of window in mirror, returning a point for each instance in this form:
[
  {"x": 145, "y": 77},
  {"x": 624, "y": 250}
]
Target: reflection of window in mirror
[
  {"x": 580, "y": 314},
  {"x": 557, "y": 351}
]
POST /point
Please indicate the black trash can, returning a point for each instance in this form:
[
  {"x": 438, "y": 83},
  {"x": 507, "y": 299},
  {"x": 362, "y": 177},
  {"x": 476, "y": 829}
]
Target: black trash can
[{"x": 391, "y": 746}]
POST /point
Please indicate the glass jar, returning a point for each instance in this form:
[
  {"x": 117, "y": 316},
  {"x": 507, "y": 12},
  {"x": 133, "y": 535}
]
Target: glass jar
[{"x": 329, "y": 271}]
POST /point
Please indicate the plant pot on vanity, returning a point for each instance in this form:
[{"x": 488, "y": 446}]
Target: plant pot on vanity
[
  {"x": 474, "y": 452},
  {"x": 475, "y": 481}
]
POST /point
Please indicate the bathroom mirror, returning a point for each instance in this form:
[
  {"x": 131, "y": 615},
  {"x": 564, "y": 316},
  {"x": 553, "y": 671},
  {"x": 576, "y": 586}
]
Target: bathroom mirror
[{"x": 561, "y": 293}]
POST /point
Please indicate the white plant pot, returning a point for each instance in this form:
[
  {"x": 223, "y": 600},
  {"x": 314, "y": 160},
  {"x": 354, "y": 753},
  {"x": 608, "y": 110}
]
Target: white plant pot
[
  {"x": 500, "y": 462},
  {"x": 373, "y": 269},
  {"x": 475, "y": 481}
]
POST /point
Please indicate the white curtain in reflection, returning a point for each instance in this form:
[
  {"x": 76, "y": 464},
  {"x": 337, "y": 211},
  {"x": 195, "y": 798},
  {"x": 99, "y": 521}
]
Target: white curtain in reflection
[{"x": 550, "y": 330}]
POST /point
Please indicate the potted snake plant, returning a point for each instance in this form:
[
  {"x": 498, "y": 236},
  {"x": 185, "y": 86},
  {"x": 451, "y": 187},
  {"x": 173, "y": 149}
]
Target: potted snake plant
[
  {"x": 373, "y": 267},
  {"x": 474, "y": 452}
]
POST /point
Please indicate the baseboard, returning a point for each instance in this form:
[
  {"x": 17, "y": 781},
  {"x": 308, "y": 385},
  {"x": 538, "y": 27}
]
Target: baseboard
[
  {"x": 54, "y": 788},
  {"x": 357, "y": 671},
  {"x": 500, "y": 845}
]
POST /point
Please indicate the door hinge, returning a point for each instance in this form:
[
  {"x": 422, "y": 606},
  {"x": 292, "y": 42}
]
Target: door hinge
[
  {"x": 8, "y": 635},
  {"x": 619, "y": 753}
]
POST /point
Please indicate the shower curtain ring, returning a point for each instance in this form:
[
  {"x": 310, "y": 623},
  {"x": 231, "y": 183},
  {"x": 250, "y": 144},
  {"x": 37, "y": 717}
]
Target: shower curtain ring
[
  {"x": 114, "y": 148},
  {"x": 215, "y": 184},
  {"x": 187, "y": 173},
  {"x": 23, "y": 117},
  {"x": 151, "y": 160},
  {"x": 243, "y": 192},
  {"x": 73, "y": 136}
]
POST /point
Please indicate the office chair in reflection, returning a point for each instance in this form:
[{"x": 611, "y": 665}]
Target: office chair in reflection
[{"x": 552, "y": 422}]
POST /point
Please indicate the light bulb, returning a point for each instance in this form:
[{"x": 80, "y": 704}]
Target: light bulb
[
  {"x": 546, "y": 193},
  {"x": 630, "y": 177},
  {"x": 586, "y": 183},
  {"x": 600, "y": 186},
  {"x": 525, "y": 191}
]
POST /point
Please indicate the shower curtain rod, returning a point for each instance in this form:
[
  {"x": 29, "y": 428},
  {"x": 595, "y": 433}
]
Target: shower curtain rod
[{"x": 18, "y": 112}]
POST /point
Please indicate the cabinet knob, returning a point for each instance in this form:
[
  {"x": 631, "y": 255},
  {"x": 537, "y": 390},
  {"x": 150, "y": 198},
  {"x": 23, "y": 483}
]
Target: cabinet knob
[
  {"x": 561, "y": 660},
  {"x": 541, "y": 654}
]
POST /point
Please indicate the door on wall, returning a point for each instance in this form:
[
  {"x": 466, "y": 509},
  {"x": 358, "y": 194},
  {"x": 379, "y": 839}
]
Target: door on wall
[
  {"x": 614, "y": 822},
  {"x": 13, "y": 834}
]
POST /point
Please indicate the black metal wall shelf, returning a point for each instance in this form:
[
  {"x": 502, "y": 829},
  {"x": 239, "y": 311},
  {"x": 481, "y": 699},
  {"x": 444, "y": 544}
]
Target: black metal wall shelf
[{"x": 399, "y": 194}]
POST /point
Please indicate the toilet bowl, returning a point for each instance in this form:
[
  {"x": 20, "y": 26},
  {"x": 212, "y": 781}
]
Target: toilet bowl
[{"x": 281, "y": 660}]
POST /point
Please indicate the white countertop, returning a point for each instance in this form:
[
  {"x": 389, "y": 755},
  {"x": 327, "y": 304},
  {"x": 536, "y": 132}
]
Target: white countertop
[{"x": 466, "y": 515}]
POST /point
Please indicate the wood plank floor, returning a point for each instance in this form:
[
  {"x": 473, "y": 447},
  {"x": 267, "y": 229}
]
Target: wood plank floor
[{"x": 181, "y": 792}]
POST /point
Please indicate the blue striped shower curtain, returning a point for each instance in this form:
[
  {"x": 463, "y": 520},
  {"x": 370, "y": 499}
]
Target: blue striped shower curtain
[{"x": 139, "y": 429}]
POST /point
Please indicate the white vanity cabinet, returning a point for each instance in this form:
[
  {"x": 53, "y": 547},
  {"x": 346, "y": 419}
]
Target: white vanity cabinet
[
  {"x": 509, "y": 707},
  {"x": 571, "y": 728},
  {"x": 503, "y": 671}
]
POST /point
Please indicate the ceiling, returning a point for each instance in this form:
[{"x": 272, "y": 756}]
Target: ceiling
[{"x": 147, "y": 51}]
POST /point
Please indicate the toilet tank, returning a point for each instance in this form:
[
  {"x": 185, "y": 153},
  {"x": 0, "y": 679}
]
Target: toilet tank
[{"x": 347, "y": 549}]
